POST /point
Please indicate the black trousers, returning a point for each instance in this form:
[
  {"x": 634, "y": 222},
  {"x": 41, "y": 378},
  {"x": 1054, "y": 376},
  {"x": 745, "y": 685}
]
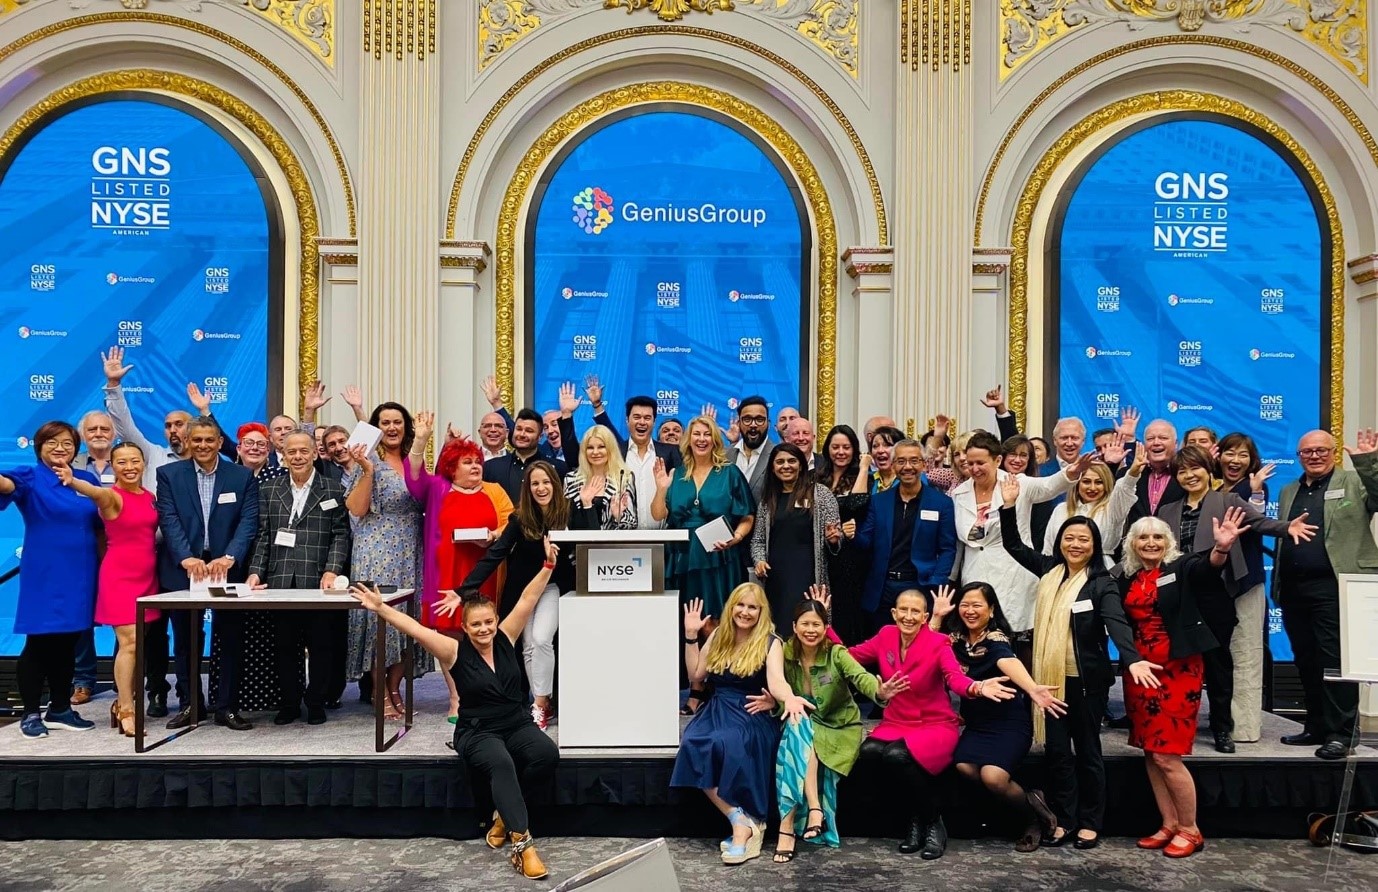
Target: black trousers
[
  {"x": 513, "y": 767},
  {"x": 315, "y": 629},
  {"x": 156, "y": 657},
  {"x": 50, "y": 658},
  {"x": 338, "y": 622},
  {"x": 1076, "y": 769},
  {"x": 1219, "y": 616},
  {"x": 228, "y": 625},
  {"x": 916, "y": 784},
  {"x": 1311, "y": 616}
]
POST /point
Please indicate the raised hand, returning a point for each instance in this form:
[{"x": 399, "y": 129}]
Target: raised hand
[
  {"x": 1259, "y": 477},
  {"x": 1113, "y": 453},
  {"x": 353, "y": 397},
  {"x": 942, "y": 602},
  {"x": 593, "y": 390},
  {"x": 370, "y": 598},
  {"x": 359, "y": 452},
  {"x": 821, "y": 594},
  {"x": 1009, "y": 490},
  {"x": 1365, "y": 442},
  {"x": 1231, "y": 528},
  {"x": 710, "y": 412},
  {"x": 662, "y": 476},
  {"x": 694, "y": 620},
  {"x": 995, "y": 399},
  {"x": 1129, "y": 423},
  {"x": 449, "y": 602},
  {"x": 1042, "y": 697},
  {"x": 452, "y": 433},
  {"x": 315, "y": 397},
  {"x": 199, "y": 401},
  {"x": 1300, "y": 530},
  {"x": 1084, "y": 461},
  {"x": 112, "y": 364},
  {"x": 1140, "y": 461},
  {"x": 895, "y": 684},
  {"x": 491, "y": 392},
  {"x": 1142, "y": 673},
  {"x": 552, "y": 551},
  {"x": 424, "y": 427},
  {"x": 569, "y": 400},
  {"x": 733, "y": 432},
  {"x": 941, "y": 425}
]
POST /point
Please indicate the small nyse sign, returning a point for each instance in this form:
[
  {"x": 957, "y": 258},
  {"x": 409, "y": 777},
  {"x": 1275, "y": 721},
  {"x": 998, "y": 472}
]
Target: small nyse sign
[{"x": 619, "y": 570}]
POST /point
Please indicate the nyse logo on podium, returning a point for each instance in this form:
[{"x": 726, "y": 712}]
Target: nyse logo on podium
[{"x": 619, "y": 570}]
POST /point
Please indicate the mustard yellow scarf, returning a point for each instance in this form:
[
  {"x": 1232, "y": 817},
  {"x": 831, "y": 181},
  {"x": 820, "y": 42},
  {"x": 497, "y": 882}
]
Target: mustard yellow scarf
[{"x": 1053, "y": 634}]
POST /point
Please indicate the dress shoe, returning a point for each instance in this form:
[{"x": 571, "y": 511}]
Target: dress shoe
[
  {"x": 1333, "y": 751},
  {"x": 524, "y": 857},
  {"x": 287, "y": 715},
  {"x": 1305, "y": 738},
  {"x": 1119, "y": 723},
  {"x": 157, "y": 706},
  {"x": 497, "y": 832},
  {"x": 1223, "y": 742},
  {"x": 315, "y": 715},
  {"x": 913, "y": 840},
  {"x": 1195, "y": 842},
  {"x": 935, "y": 843},
  {"x": 81, "y": 694},
  {"x": 227, "y": 718},
  {"x": 333, "y": 704},
  {"x": 1084, "y": 845},
  {"x": 1158, "y": 840},
  {"x": 184, "y": 719}
]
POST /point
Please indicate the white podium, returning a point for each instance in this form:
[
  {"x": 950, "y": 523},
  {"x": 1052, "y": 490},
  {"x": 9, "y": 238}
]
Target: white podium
[{"x": 619, "y": 641}]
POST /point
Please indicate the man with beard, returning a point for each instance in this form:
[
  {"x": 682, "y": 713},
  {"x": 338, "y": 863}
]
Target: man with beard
[
  {"x": 750, "y": 453},
  {"x": 640, "y": 452},
  {"x": 507, "y": 471}
]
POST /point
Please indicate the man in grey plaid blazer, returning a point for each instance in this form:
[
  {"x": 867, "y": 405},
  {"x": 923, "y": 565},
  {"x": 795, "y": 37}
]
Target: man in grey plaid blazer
[{"x": 303, "y": 542}]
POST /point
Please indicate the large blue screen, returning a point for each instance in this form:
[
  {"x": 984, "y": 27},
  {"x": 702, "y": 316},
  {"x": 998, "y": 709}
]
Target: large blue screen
[
  {"x": 133, "y": 223},
  {"x": 667, "y": 259},
  {"x": 1191, "y": 280}
]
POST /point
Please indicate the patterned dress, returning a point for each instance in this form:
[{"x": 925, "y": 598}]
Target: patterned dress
[
  {"x": 387, "y": 550},
  {"x": 1162, "y": 719}
]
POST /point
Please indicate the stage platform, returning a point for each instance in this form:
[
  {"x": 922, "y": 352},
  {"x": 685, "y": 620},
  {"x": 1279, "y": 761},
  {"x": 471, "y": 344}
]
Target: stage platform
[{"x": 324, "y": 781}]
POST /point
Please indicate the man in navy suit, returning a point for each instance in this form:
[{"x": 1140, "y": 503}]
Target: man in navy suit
[
  {"x": 640, "y": 453},
  {"x": 208, "y": 513},
  {"x": 507, "y": 470},
  {"x": 911, "y": 533}
]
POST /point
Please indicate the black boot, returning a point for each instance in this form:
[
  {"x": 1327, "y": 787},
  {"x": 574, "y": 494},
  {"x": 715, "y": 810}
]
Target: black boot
[
  {"x": 935, "y": 843},
  {"x": 914, "y": 840}
]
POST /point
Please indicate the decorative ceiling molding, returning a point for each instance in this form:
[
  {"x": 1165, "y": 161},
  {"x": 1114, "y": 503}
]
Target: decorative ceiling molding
[
  {"x": 832, "y": 26},
  {"x": 1339, "y": 28},
  {"x": 309, "y": 22}
]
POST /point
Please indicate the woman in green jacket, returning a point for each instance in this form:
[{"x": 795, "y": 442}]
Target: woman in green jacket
[{"x": 817, "y": 750}]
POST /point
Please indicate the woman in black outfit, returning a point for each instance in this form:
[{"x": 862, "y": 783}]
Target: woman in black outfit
[
  {"x": 796, "y": 528},
  {"x": 495, "y": 737},
  {"x": 847, "y": 473},
  {"x": 1077, "y": 603}
]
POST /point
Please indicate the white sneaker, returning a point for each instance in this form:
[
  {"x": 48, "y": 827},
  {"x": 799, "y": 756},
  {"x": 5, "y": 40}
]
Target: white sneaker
[{"x": 538, "y": 715}]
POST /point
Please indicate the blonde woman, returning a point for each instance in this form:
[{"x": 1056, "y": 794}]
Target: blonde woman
[
  {"x": 601, "y": 491},
  {"x": 728, "y": 749},
  {"x": 1099, "y": 496}
]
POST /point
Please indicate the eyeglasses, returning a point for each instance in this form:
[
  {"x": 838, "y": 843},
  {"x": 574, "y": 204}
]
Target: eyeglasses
[
  {"x": 752, "y": 419},
  {"x": 254, "y": 444},
  {"x": 1315, "y": 452}
]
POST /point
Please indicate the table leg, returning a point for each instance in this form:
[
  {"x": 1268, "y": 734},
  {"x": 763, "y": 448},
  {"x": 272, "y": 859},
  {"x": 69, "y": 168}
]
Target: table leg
[
  {"x": 379, "y": 670},
  {"x": 194, "y": 684},
  {"x": 380, "y": 687},
  {"x": 138, "y": 678},
  {"x": 409, "y": 664}
]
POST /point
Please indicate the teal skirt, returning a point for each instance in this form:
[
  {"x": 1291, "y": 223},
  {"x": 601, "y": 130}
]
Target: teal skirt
[{"x": 791, "y": 766}]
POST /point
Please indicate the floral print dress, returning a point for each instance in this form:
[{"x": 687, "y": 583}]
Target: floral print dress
[{"x": 1162, "y": 719}]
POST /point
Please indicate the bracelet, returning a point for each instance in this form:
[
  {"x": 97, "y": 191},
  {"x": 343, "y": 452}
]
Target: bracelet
[
  {"x": 548, "y": 565},
  {"x": 692, "y": 642},
  {"x": 1218, "y": 551}
]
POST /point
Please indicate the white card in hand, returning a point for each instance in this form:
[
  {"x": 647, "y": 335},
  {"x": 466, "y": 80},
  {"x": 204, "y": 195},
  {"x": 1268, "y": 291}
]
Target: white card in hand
[
  {"x": 471, "y": 534},
  {"x": 716, "y": 530},
  {"x": 366, "y": 435}
]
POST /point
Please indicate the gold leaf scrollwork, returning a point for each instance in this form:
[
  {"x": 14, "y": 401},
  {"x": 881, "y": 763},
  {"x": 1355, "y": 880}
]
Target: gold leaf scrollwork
[
  {"x": 671, "y": 10},
  {"x": 311, "y": 22},
  {"x": 1339, "y": 28}
]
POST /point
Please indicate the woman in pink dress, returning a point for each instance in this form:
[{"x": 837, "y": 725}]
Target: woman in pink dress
[
  {"x": 916, "y": 739},
  {"x": 127, "y": 571}
]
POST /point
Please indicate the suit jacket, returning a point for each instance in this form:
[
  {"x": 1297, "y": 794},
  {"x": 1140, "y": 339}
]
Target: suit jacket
[
  {"x": 1213, "y": 507},
  {"x": 1190, "y": 575},
  {"x": 667, "y": 453},
  {"x": 1346, "y": 526},
  {"x": 508, "y": 471},
  {"x": 932, "y": 551},
  {"x": 322, "y": 534},
  {"x": 1173, "y": 493},
  {"x": 757, "y": 480},
  {"x": 233, "y": 520}
]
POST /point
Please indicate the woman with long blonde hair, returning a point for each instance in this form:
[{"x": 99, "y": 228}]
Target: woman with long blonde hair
[
  {"x": 728, "y": 749},
  {"x": 601, "y": 491},
  {"x": 708, "y": 490}
]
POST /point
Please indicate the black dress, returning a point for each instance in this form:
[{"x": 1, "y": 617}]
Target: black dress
[
  {"x": 996, "y": 734},
  {"x": 790, "y": 555},
  {"x": 847, "y": 572}
]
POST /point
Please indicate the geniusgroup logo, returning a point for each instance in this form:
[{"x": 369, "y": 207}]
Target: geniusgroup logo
[
  {"x": 43, "y": 277},
  {"x": 216, "y": 388},
  {"x": 1272, "y": 301},
  {"x": 203, "y": 335},
  {"x": 117, "y": 279},
  {"x": 570, "y": 293},
  {"x": 1256, "y": 354},
  {"x": 1108, "y": 299},
  {"x": 131, "y": 189},
  {"x": 130, "y": 333},
  {"x": 1094, "y": 352},
  {"x": 593, "y": 210},
  {"x": 1175, "y": 300},
  {"x": 41, "y": 387},
  {"x": 653, "y": 348},
  {"x": 1174, "y": 406},
  {"x": 735, "y": 295},
  {"x": 667, "y": 295},
  {"x": 26, "y": 332},
  {"x": 585, "y": 347},
  {"x": 217, "y": 280}
]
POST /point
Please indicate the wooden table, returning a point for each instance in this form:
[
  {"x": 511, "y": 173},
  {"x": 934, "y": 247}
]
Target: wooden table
[{"x": 271, "y": 599}]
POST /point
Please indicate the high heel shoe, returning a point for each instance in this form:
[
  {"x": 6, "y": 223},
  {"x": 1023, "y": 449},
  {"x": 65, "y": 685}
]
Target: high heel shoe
[
  {"x": 114, "y": 715},
  {"x": 126, "y": 721},
  {"x": 735, "y": 854}
]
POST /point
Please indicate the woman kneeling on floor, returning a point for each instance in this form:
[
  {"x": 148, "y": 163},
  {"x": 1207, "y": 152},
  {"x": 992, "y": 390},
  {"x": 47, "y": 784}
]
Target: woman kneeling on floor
[{"x": 494, "y": 736}]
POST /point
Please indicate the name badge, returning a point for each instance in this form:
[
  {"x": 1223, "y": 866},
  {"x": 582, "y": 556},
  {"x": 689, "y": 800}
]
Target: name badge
[
  {"x": 226, "y": 498},
  {"x": 286, "y": 538},
  {"x": 825, "y": 679},
  {"x": 329, "y": 504},
  {"x": 107, "y": 478},
  {"x": 1333, "y": 494},
  {"x": 1167, "y": 580},
  {"x": 928, "y": 515},
  {"x": 1082, "y": 606}
]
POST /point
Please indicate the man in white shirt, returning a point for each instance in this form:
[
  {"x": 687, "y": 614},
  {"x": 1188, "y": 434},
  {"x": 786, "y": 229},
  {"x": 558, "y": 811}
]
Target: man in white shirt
[
  {"x": 492, "y": 434},
  {"x": 640, "y": 451},
  {"x": 800, "y": 434},
  {"x": 750, "y": 453}
]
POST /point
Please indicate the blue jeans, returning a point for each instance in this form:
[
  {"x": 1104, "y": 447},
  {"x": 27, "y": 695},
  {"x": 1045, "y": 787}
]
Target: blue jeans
[{"x": 84, "y": 675}]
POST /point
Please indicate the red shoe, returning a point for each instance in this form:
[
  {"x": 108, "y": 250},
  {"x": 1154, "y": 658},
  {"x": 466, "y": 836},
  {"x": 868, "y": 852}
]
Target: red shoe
[
  {"x": 1195, "y": 843},
  {"x": 1158, "y": 840}
]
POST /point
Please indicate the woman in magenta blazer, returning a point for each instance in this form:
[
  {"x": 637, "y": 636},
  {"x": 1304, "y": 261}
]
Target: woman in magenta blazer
[{"x": 918, "y": 735}]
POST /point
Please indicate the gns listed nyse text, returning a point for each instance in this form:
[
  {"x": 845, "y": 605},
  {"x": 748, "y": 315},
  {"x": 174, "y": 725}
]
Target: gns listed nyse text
[
  {"x": 1191, "y": 213},
  {"x": 131, "y": 189}
]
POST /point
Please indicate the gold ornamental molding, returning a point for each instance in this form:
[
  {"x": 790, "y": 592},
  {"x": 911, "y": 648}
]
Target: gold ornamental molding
[
  {"x": 1154, "y": 43},
  {"x": 154, "y": 81},
  {"x": 103, "y": 18},
  {"x": 1101, "y": 125},
  {"x": 1339, "y": 28},
  {"x": 516, "y": 200},
  {"x": 935, "y": 34},
  {"x": 399, "y": 28},
  {"x": 832, "y": 26},
  {"x": 864, "y": 158}
]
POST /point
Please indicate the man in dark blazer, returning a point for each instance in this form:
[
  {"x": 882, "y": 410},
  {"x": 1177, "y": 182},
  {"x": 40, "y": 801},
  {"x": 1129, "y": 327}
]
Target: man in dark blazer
[
  {"x": 208, "y": 514},
  {"x": 800, "y": 433},
  {"x": 1158, "y": 483},
  {"x": 752, "y": 452},
  {"x": 303, "y": 543},
  {"x": 507, "y": 471},
  {"x": 911, "y": 533}
]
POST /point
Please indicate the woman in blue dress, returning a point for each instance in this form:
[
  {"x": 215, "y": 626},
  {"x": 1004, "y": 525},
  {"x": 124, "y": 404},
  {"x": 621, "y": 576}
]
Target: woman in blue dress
[
  {"x": 57, "y": 577},
  {"x": 728, "y": 749}
]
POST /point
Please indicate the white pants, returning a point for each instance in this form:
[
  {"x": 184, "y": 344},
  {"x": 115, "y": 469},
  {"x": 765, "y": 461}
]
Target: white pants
[
  {"x": 538, "y": 642},
  {"x": 1246, "y": 647}
]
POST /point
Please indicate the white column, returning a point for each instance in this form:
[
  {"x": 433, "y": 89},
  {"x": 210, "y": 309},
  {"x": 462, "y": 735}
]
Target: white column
[
  {"x": 399, "y": 203},
  {"x": 872, "y": 274},
  {"x": 462, "y": 280},
  {"x": 1360, "y": 359},
  {"x": 987, "y": 362},
  {"x": 933, "y": 215}
]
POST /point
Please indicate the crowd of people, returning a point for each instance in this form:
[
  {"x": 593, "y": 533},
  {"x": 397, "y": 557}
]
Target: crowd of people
[{"x": 989, "y": 567}]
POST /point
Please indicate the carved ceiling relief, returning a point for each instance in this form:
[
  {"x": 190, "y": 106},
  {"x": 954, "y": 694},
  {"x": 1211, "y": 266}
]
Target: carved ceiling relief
[
  {"x": 1338, "y": 28},
  {"x": 310, "y": 22},
  {"x": 830, "y": 25}
]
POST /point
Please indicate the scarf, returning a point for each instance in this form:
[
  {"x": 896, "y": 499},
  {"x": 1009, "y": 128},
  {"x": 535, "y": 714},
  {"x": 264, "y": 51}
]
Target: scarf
[{"x": 1053, "y": 634}]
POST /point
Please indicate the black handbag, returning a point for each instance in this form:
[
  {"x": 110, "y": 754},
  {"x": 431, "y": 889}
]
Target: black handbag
[{"x": 1358, "y": 832}]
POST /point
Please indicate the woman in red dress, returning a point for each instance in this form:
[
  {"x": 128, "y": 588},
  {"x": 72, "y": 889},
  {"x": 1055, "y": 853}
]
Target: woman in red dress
[{"x": 1162, "y": 691}]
